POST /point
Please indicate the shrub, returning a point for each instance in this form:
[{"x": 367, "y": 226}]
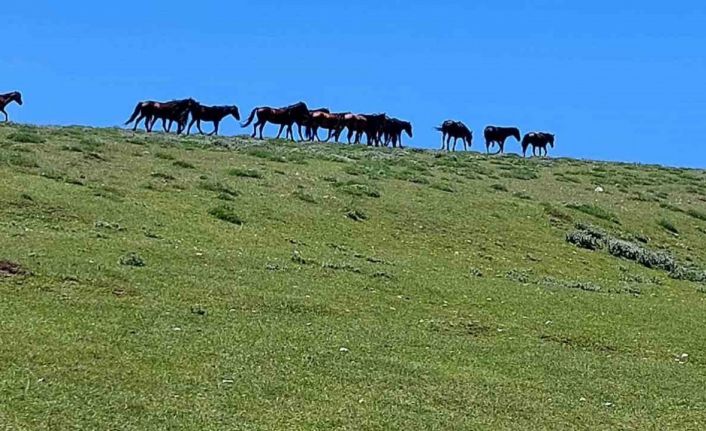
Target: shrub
[
  {"x": 132, "y": 259},
  {"x": 668, "y": 225},
  {"x": 246, "y": 173},
  {"x": 183, "y": 164},
  {"x": 499, "y": 187},
  {"x": 226, "y": 213},
  {"x": 595, "y": 211}
]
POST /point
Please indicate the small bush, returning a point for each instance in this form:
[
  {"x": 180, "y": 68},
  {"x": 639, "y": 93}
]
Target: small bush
[
  {"x": 163, "y": 156},
  {"x": 304, "y": 196},
  {"x": 520, "y": 174},
  {"x": 25, "y": 138},
  {"x": 246, "y": 173},
  {"x": 648, "y": 258},
  {"x": 357, "y": 189},
  {"x": 556, "y": 213},
  {"x": 668, "y": 225},
  {"x": 132, "y": 259},
  {"x": 215, "y": 186},
  {"x": 595, "y": 211},
  {"x": 697, "y": 214},
  {"x": 499, "y": 187},
  {"x": 357, "y": 215},
  {"x": 183, "y": 164},
  {"x": 227, "y": 214}
]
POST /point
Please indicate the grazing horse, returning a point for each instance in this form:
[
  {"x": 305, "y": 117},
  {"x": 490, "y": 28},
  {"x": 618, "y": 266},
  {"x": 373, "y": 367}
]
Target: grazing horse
[
  {"x": 374, "y": 127},
  {"x": 498, "y": 135},
  {"x": 392, "y": 131},
  {"x": 6, "y": 99},
  {"x": 212, "y": 114},
  {"x": 325, "y": 120},
  {"x": 537, "y": 140},
  {"x": 455, "y": 129},
  {"x": 151, "y": 111},
  {"x": 284, "y": 117}
]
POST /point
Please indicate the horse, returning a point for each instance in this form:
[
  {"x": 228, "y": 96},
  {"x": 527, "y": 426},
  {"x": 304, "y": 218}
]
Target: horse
[
  {"x": 374, "y": 127},
  {"x": 392, "y": 131},
  {"x": 498, "y": 135},
  {"x": 325, "y": 120},
  {"x": 212, "y": 114},
  {"x": 6, "y": 99},
  {"x": 307, "y": 122},
  {"x": 356, "y": 125},
  {"x": 537, "y": 140},
  {"x": 151, "y": 111},
  {"x": 455, "y": 129},
  {"x": 284, "y": 117}
]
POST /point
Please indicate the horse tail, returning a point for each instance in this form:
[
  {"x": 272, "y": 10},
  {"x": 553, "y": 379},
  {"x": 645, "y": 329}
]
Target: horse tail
[
  {"x": 439, "y": 128},
  {"x": 135, "y": 113},
  {"x": 250, "y": 118}
]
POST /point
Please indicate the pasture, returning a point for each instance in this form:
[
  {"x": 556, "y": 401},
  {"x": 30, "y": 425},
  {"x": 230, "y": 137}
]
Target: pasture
[{"x": 153, "y": 282}]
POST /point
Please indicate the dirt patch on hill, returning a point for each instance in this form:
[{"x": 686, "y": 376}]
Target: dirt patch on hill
[{"x": 11, "y": 269}]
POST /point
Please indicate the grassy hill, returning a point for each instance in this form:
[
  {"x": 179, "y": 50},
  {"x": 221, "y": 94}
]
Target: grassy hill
[{"x": 156, "y": 282}]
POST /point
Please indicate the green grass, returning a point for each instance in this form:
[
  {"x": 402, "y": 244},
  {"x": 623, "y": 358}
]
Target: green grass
[{"x": 346, "y": 288}]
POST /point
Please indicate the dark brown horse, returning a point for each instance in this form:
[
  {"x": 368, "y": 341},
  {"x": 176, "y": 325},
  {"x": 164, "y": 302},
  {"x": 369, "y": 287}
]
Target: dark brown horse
[
  {"x": 356, "y": 125},
  {"x": 172, "y": 111},
  {"x": 6, "y": 99},
  {"x": 498, "y": 135},
  {"x": 374, "y": 128},
  {"x": 284, "y": 117},
  {"x": 212, "y": 114},
  {"x": 325, "y": 120},
  {"x": 537, "y": 140},
  {"x": 456, "y": 130},
  {"x": 307, "y": 122},
  {"x": 392, "y": 131}
]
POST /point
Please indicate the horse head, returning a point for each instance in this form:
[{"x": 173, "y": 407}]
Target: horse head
[
  {"x": 233, "y": 110},
  {"x": 550, "y": 139},
  {"x": 469, "y": 136},
  {"x": 407, "y": 127},
  {"x": 515, "y": 133},
  {"x": 18, "y": 97}
]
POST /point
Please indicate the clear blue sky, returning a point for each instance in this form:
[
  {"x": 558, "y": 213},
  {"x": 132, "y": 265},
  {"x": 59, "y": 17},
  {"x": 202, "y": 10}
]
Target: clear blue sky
[{"x": 616, "y": 80}]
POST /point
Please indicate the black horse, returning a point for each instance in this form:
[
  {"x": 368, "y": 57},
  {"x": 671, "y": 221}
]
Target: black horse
[
  {"x": 172, "y": 111},
  {"x": 457, "y": 130},
  {"x": 537, "y": 140},
  {"x": 212, "y": 114},
  {"x": 498, "y": 135},
  {"x": 6, "y": 99},
  {"x": 284, "y": 117},
  {"x": 392, "y": 131}
]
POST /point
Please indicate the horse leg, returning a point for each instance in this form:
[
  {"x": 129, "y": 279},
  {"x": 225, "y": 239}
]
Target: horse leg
[
  {"x": 281, "y": 128},
  {"x": 262, "y": 127},
  {"x": 5, "y": 113},
  {"x": 215, "y": 128},
  {"x": 191, "y": 124}
]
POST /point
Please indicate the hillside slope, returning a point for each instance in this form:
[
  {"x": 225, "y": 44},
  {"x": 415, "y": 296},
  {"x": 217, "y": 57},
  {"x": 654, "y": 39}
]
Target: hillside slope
[{"x": 155, "y": 282}]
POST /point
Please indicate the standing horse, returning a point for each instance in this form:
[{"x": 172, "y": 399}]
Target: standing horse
[
  {"x": 6, "y": 99},
  {"x": 392, "y": 131},
  {"x": 308, "y": 122},
  {"x": 212, "y": 114},
  {"x": 284, "y": 117},
  {"x": 151, "y": 111},
  {"x": 455, "y": 129},
  {"x": 537, "y": 140},
  {"x": 356, "y": 125},
  {"x": 498, "y": 135},
  {"x": 374, "y": 127},
  {"x": 324, "y": 120}
]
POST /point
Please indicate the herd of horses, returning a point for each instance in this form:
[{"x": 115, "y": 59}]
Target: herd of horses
[{"x": 378, "y": 129}]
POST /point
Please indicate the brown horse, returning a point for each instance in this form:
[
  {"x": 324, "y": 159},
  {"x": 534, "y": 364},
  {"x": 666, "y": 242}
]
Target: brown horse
[
  {"x": 537, "y": 140},
  {"x": 307, "y": 122},
  {"x": 356, "y": 125},
  {"x": 456, "y": 130},
  {"x": 212, "y": 114},
  {"x": 392, "y": 130},
  {"x": 284, "y": 117},
  {"x": 325, "y": 120},
  {"x": 151, "y": 111},
  {"x": 6, "y": 99},
  {"x": 498, "y": 135}
]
